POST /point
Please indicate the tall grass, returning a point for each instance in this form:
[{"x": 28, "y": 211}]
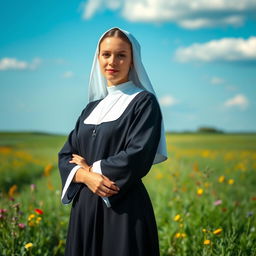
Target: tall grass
[{"x": 203, "y": 196}]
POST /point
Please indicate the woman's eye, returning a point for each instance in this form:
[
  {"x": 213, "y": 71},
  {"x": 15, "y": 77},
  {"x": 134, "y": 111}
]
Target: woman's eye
[
  {"x": 122, "y": 55},
  {"x": 105, "y": 54}
]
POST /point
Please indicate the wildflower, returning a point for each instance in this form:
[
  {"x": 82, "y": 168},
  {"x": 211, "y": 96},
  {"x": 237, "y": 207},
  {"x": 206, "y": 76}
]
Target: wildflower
[
  {"x": 231, "y": 181},
  {"x": 3, "y": 210},
  {"x": 204, "y": 230},
  {"x": 200, "y": 191},
  {"x": 47, "y": 169},
  {"x": 177, "y": 217},
  {"x": 254, "y": 198},
  {"x": 249, "y": 214},
  {"x": 217, "y": 231},
  {"x": 38, "y": 219},
  {"x": 218, "y": 202},
  {"x": 12, "y": 190},
  {"x": 31, "y": 216},
  {"x": 31, "y": 223},
  {"x": 221, "y": 179},
  {"x": 21, "y": 225},
  {"x": 180, "y": 235},
  {"x": 32, "y": 187},
  {"x": 207, "y": 241},
  {"x": 28, "y": 245},
  {"x": 39, "y": 211}
]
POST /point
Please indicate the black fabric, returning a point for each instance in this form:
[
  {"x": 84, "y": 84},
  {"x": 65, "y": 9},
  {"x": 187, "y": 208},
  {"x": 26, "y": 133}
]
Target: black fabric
[{"x": 126, "y": 148}]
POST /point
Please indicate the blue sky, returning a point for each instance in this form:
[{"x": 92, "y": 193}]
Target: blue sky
[{"x": 200, "y": 56}]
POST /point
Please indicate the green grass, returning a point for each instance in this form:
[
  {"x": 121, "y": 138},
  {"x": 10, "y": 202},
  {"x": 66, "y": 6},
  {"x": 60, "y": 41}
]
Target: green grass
[{"x": 196, "y": 161}]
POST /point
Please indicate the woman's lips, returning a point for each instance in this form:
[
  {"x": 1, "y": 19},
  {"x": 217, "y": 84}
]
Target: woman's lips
[{"x": 111, "y": 71}]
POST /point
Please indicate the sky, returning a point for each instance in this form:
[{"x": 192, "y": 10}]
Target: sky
[{"x": 200, "y": 56}]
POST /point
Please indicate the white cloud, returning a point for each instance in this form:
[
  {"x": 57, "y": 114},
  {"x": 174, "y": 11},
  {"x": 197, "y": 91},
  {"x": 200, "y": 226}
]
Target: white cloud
[
  {"x": 12, "y": 63},
  {"x": 217, "y": 80},
  {"x": 190, "y": 14},
  {"x": 168, "y": 100},
  {"x": 92, "y": 6},
  {"x": 237, "y": 101},
  {"x": 68, "y": 74},
  {"x": 225, "y": 49}
]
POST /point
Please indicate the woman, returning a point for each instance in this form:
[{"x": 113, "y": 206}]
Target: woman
[{"x": 117, "y": 138}]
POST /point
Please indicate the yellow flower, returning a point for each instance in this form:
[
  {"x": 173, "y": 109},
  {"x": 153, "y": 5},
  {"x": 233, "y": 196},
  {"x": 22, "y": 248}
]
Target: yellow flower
[
  {"x": 204, "y": 230},
  {"x": 31, "y": 223},
  {"x": 31, "y": 216},
  {"x": 207, "y": 241},
  {"x": 28, "y": 245},
  {"x": 200, "y": 191},
  {"x": 217, "y": 231},
  {"x": 180, "y": 235},
  {"x": 181, "y": 225},
  {"x": 177, "y": 217},
  {"x": 38, "y": 219},
  {"x": 221, "y": 179},
  {"x": 231, "y": 181}
]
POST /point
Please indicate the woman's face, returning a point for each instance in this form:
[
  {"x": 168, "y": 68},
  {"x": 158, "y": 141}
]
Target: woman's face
[{"x": 115, "y": 58}]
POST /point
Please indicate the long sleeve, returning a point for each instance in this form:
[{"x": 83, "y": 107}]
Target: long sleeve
[
  {"x": 68, "y": 170},
  {"x": 135, "y": 160}
]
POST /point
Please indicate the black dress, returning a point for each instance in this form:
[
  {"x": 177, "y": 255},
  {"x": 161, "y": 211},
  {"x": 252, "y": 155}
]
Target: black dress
[{"x": 126, "y": 148}]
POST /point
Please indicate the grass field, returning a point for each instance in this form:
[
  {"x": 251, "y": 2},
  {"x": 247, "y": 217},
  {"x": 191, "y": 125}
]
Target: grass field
[{"x": 204, "y": 195}]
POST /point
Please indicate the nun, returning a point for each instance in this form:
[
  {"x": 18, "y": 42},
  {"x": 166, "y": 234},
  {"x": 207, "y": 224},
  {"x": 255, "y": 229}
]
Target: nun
[{"x": 117, "y": 138}]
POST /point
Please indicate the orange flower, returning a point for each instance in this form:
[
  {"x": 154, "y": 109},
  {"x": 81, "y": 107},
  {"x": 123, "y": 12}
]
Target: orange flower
[
  {"x": 12, "y": 190},
  {"x": 47, "y": 169}
]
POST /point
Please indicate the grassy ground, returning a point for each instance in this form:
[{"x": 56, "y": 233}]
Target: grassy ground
[{"x": 204, "y": 195}]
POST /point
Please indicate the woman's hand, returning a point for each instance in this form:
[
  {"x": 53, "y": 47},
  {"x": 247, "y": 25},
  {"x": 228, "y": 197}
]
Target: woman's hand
[
  {"x": 100, "y": 184},
  {"x": 76, "y": 159}
]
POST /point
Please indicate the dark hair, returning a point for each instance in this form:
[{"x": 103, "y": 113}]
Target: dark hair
[{"x": 115, "y": 32}]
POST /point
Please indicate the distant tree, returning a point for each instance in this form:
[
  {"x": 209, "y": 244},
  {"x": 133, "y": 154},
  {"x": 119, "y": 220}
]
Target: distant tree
[{"x": 208, "y": 130}]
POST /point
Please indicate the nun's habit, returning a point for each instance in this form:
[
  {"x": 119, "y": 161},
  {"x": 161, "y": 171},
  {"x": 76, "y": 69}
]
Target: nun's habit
[{"x": 121, "y": 134}]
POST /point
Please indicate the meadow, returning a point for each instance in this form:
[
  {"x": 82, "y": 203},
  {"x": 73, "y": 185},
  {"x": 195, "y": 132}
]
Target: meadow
[{"x": 204, "y": 195}]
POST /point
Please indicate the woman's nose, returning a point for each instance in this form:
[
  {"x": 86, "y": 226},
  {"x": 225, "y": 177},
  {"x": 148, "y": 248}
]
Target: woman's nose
[{"x": 112, "y": 60}]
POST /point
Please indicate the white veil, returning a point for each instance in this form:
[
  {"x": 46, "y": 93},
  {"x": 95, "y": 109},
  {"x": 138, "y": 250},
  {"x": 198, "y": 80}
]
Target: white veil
[{"x": 137, "y": 74}]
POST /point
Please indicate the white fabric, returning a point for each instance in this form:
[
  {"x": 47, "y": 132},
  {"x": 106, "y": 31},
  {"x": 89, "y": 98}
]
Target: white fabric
[
  {"x": 67, "y": 184},
  {"x": 98, "y": 88},
  {"x": 97, "y": 169},
  {"x": 114, "y": 104}
]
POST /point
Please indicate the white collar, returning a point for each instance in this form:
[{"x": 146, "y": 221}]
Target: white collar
[{"x": 121, "y": 88}]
